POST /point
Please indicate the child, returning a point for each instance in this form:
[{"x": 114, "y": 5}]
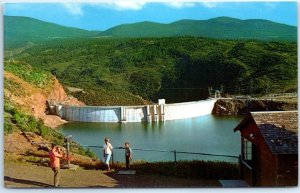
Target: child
[{"x": 128, "y": 154}]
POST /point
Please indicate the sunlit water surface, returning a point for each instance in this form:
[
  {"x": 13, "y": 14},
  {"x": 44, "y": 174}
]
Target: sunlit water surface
[{"x": 206, "y": 134}]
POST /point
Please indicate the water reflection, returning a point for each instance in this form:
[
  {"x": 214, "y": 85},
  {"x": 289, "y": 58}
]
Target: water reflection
[{"x": 206, "y": 134}]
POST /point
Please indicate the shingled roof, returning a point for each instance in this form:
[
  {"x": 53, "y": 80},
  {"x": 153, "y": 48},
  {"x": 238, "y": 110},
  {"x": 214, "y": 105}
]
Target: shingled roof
[
  {"x": 278, "y": 128},
  {"x": 279, "y": 140},
  {"x": 281, "y": 119}
]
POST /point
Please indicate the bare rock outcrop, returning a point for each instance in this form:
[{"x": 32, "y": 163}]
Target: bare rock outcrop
[
  {"x": 243, "y": 107},
  {"x": 35, "y": 101}
]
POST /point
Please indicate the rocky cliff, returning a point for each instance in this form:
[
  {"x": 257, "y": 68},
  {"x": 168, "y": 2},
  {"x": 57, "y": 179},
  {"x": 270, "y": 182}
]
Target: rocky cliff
[
  {"x": 34, "y": 100},
  {"x": 242, "y": 107}
]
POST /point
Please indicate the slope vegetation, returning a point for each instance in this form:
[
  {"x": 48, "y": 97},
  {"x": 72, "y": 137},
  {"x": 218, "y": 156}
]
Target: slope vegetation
[{"x": 117, "y": 71}]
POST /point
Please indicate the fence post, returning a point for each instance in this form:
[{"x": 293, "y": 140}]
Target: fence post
[
  {"x": 68, "y": 150},
  {"x": 112, "y": 158},
  {"x": 175, "y": 156},
  {"x": 240, "y": 167}
]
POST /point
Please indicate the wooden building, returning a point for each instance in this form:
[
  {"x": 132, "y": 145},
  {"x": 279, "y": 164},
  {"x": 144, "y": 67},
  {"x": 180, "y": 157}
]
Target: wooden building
[{"x": 269, "y": 154}]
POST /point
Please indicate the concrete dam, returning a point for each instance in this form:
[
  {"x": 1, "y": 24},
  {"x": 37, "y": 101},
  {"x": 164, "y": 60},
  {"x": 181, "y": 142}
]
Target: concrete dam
[{"x": 141, "y": 113}]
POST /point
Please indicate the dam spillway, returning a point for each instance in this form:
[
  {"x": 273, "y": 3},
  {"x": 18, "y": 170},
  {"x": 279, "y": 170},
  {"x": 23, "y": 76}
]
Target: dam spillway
[{"x": 141, "y": 113}]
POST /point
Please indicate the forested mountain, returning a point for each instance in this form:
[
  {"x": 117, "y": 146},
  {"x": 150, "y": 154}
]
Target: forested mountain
[
  {"x": 21, "y": 31},
  {"x": 152, "y": 60},
  {"x": 177, "y": 69},
  {"x": 220, "y": 27}
]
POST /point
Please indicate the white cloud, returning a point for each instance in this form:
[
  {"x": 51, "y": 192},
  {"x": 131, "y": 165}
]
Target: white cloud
[
  {"x": 138, "y": 5},
  {"x": 121, "y": 5},
  {"x": 179, "y": 5},
  {"x": 209, "y": 4},
  {"x": 117, "y": 5},
  {"x": 125, "y": 5},
  {"x": 74, "y": 8}
]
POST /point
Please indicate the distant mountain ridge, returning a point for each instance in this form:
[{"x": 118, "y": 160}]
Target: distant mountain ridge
[
  {"x": 220, "y": 27},
  {"x": 20, "y": 31}
]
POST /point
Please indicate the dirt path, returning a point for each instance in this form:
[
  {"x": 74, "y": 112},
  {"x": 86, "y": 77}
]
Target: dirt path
[{"x": 25, "y": 175}]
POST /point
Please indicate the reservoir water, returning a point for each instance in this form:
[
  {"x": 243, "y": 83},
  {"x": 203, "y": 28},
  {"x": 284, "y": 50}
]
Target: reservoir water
[{"x": 206, "y": 134}]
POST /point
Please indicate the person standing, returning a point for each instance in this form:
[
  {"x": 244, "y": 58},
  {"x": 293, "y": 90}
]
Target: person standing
[
  {"x": 128, "y": 154},
  {"x": 107, "y": 151},
  {"x": 54, "y": 155}
]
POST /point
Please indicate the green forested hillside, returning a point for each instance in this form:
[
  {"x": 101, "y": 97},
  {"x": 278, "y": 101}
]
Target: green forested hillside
[
  {"x": 114, "y": 71},
  {"x": 221, "y": 28},
  {"x": 21, "y": 31}
]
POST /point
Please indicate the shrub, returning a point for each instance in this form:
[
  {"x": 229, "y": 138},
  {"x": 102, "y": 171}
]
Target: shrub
[
  {"x": 32, "y": 124},
  {"x": 29, "y": 74},
  {"x": 208, "y": 170},
  {"x": 90, "y": 153},
  {"x": 20, "y": 121},
  {"x": 7, "y": 124},
  {"x": 43, "y": 131}
]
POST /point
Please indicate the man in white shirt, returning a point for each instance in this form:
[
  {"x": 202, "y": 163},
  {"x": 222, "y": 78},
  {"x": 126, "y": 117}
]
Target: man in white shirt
[{"x": 107, "y": 151}]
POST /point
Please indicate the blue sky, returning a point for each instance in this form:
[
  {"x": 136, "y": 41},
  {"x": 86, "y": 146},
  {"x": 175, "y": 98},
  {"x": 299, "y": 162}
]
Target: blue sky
[{"x": 101, "y": 16}]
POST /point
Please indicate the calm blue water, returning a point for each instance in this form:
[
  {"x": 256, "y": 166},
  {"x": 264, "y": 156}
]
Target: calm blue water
[{"x": 206, "y": 134}]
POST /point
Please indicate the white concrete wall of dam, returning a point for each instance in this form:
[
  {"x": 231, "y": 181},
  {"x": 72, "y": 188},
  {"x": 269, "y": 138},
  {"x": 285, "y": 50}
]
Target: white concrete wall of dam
[
  {"x": 189, "y": 109},
  {"x": 136, "y": 113}
]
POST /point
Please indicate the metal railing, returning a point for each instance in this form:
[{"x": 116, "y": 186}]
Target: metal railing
[
  {"x": 283, "y": 95},
  {"x": 175, "y": 153}
]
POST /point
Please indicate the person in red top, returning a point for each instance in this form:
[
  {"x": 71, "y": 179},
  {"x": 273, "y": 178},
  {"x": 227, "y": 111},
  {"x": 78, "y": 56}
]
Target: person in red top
[{"x": 54, "y": 155}]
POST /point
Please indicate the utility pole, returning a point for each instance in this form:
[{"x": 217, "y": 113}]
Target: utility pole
[{"x": 210, "y": 91}]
